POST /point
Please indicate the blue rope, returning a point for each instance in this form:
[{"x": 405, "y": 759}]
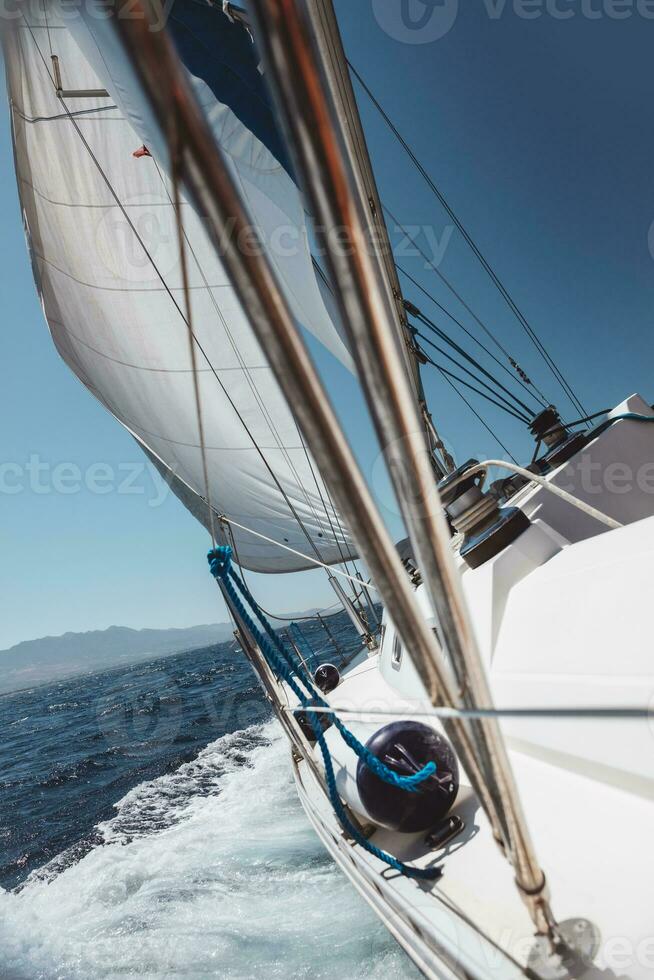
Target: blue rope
[
  {"x": 429, "y": 874},
  {"x": 286, "y": 666},
  {"x": 625, "y": 417}
]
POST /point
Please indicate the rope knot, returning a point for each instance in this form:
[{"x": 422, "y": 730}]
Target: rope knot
[{"x": 220, "y": 560}]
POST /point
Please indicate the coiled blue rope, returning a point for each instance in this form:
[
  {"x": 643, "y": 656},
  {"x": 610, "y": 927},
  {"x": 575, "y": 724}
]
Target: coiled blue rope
[
  {"x": 429, "y": 874},
  {"x": 286, "y": 666}
]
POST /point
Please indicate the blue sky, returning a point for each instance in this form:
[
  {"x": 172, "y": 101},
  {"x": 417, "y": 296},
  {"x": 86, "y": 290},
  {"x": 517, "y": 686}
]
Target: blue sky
[{"x": 540, "y": 133}]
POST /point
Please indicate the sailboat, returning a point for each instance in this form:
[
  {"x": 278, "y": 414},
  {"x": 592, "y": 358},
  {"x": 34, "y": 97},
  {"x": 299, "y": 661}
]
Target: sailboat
[{"x": 484, "y": 779}]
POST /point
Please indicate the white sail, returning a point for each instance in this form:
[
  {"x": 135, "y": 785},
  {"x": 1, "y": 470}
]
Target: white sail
[{"x": 102, "y": 234}]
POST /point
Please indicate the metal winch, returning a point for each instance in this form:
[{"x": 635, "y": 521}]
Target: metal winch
[
  {"x": 486, "y": 527},
  {"x": 561, "y": 444}
]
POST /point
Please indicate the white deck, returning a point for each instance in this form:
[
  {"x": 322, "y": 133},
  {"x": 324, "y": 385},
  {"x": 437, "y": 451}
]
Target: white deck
[
  {"x": 589, "y": 835},
  {"x": 562, "y": 620}
]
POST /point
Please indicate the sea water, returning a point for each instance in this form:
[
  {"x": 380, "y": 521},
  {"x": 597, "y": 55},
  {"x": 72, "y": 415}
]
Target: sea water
[{"x": 149, "y": 828}]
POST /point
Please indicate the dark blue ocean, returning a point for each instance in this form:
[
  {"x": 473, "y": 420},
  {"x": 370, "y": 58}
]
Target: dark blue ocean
[{"x": 149, "y": 828}]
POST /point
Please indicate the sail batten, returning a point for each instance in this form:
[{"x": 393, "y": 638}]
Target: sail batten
[{"x": 102, "y": 232}]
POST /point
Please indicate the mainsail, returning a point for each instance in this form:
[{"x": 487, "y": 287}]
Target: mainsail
[{"x": 101, "y": 228}]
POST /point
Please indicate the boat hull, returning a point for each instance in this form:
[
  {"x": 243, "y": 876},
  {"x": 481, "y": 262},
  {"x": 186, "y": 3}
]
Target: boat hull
[{"x": 445, "y": 945}]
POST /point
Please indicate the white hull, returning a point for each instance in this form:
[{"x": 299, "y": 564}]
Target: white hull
[
  {"x": 562, "y": 621},
  {"x": 441, "y": 942}
]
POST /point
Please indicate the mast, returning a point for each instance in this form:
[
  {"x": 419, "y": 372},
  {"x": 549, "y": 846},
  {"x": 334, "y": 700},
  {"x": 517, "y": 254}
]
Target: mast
[
  {"x": 329, "y": 42},
  {"x": 337, "y": 77}
]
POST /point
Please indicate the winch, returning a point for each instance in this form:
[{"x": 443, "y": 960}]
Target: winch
[
  {"x": 548, "y": 428},
  {"x": 486, "y": 527}
]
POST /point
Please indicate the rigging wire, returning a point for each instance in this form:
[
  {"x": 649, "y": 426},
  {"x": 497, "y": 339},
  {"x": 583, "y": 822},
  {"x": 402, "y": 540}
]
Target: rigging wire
[
  {"x": 475, "y": 363},
  {"x": 448, "y": 283},
  {"x": 529, "y": 330},
  {"x": 467, "y": 384},
  {"x": 325, "y": 613},
  {"x": 47, "y": 26},
  {"x": 430, "y": 296},
  {"x": 283, "y": 619},
  {"x": 479, "y": 417},
  {"x": 462, "y": 367},
  {"x": 328, "y": 514},
  {"x": 618, "y": 713},
  {"x": 173, "y": 143},
  {"x": 294, "y": 551}
]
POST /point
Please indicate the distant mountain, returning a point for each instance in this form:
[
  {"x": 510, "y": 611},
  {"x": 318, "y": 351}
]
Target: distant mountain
[{"x": 52, "y": 657}]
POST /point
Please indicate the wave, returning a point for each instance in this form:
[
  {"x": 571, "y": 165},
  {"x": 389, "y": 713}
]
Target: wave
[{"x": 209, "y": 871}]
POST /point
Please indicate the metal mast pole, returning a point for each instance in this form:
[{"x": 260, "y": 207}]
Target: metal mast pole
[
  {"x": 301, "y": 81},
  {"x": 328, "y": 40},
  {"x": 337, "y": 78}
]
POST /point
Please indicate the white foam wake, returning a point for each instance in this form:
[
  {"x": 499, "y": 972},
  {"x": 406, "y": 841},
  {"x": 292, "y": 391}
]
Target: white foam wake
[{"x": 212, "y": 871}]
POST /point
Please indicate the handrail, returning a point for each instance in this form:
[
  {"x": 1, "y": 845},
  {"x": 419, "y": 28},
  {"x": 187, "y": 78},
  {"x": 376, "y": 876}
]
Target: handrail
[
  {"x": 569, "y": 498},
  {"x": 294, "y": 60}
]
